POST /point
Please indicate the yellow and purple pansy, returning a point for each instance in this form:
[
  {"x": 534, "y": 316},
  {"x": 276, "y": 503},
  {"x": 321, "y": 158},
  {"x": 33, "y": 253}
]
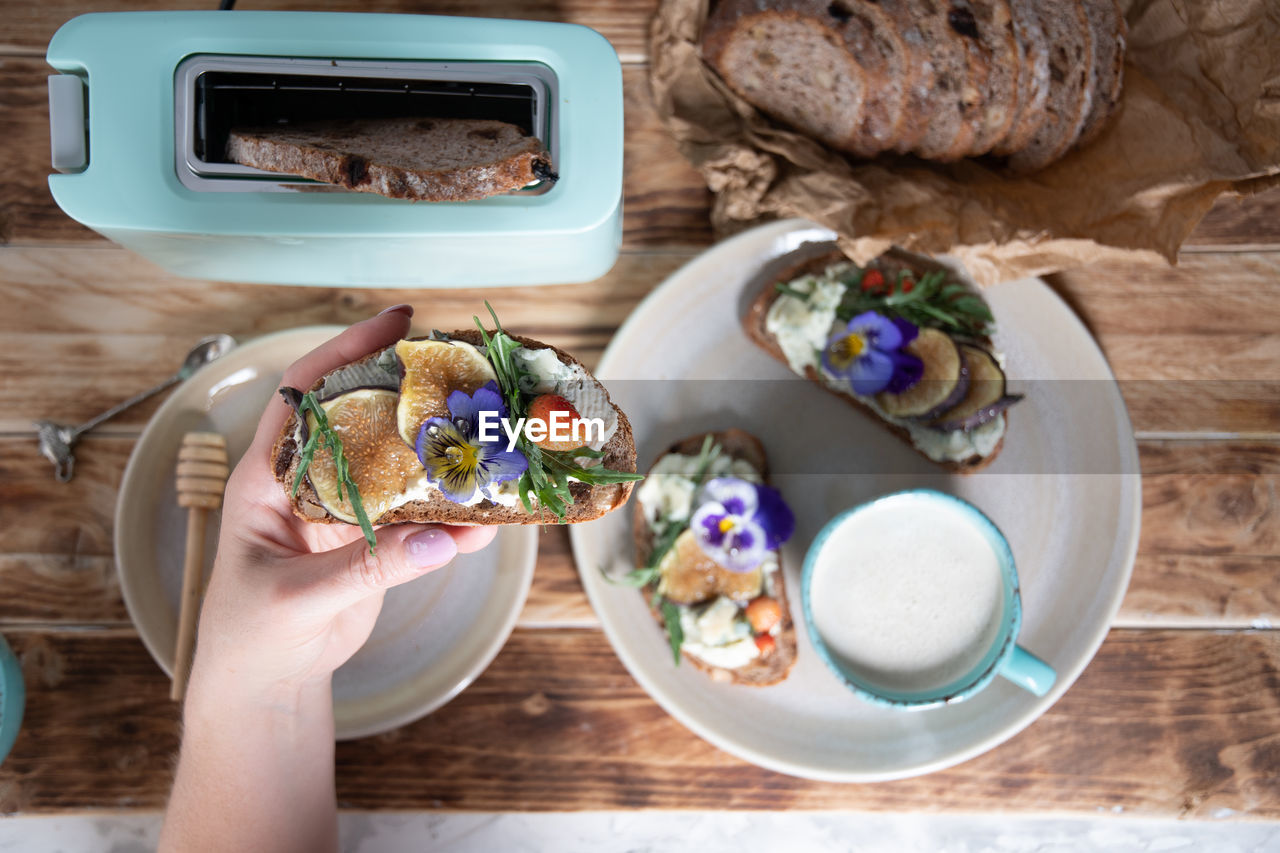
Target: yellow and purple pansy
[
  {"x": 456, "y": 459},
  {"x": 737, "y": 522},
  {"x": 868, "y": 354}
]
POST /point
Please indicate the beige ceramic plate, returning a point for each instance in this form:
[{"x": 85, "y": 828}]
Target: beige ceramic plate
[
  {"x": 435, "y": 634},
  {"x": 1065, "y": 491}
]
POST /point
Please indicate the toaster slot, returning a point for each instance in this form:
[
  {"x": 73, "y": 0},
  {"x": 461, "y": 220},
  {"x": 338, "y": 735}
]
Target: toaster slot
[{"x": 214, "y": 94}]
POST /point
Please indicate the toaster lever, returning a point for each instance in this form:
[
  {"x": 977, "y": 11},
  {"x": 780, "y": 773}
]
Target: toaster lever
[{"x": 68, "y": 125}]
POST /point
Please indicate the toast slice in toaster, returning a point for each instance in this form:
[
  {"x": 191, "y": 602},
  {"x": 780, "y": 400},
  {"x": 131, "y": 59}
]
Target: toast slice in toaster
[{"x": 420, "y": 159}]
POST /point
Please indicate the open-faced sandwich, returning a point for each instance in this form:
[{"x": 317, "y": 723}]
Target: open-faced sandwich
[
  {"x": 903, "y": 339},
  {"x": 707, "y": 532},
  {"x": 471, "y": 427}
]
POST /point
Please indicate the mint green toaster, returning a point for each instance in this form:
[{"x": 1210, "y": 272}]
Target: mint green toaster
[{"x": 140, "y": 111}]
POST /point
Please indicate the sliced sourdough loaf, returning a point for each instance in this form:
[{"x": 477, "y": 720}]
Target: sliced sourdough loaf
[
  {"x": 833, "y": 70},
  {"x": 950, "y": 103},
  {"x": 991, "y": 21},
  {"x": 1071, "y": 80},
  {"x": 1033, "y": 77},
  {"x": 423, "y": 159},
  {"x": 1109, "y": 35}
]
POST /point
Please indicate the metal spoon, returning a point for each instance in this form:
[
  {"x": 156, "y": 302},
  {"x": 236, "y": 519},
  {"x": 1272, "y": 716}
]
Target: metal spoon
[{"x": 57, "y": 440}]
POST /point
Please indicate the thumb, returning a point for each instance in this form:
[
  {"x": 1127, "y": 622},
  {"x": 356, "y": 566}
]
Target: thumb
[{"x": 404, "y": 552}]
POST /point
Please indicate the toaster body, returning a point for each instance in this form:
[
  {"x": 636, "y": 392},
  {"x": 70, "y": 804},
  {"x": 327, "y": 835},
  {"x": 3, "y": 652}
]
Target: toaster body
[{"x": 144, "y": 102}]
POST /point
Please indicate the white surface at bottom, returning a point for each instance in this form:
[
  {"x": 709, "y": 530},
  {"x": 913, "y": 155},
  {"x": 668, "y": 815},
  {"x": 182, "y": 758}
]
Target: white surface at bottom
[{"x": 706, "y": 832}]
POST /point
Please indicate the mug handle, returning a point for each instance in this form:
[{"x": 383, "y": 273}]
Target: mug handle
[{"x": 1028, "y": 671}]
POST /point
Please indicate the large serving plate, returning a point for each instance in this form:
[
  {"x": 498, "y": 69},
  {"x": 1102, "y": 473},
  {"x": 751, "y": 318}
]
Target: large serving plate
[
  {"x": 1065, "y": 490},
  {"x": 434, "y": 635}
]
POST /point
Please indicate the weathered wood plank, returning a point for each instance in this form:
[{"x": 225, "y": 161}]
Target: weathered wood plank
[
  {"x": 85, "y": 328},
  {"x": 1162, "y": 724},
  {"x": 1209, "y": 552},
  {"x": 666, "y": 202}
]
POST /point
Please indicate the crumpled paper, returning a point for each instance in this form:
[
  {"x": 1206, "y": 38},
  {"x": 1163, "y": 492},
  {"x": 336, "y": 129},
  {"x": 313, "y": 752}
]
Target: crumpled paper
[{"x": 1200, "y": 115}]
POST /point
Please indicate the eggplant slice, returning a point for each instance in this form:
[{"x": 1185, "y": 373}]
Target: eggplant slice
[{"x": 985, "y": 397}]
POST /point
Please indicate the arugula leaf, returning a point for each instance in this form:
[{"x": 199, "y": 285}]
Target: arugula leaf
[
  {"x": 931, "y": 301},
  {"x": 636, "y": 578},
  {"x": 675, "y": 633},
  {"x": 326, "y": 434},
  {"x": 547, "y": 476}
]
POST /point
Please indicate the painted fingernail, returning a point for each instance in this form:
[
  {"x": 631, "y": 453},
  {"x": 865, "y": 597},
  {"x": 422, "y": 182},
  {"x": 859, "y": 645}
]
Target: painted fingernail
[
  {"x": 431, "y": 547},
  {"x": 403, "y": 308}
]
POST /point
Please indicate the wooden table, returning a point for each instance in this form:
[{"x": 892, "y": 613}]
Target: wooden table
[{"x": 1179, "y": 714}]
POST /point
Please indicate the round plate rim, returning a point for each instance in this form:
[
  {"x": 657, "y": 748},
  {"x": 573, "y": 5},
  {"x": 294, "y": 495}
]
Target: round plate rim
[
  {"x": 764, "y": 235},
  {"x": 311, "y": 336}
]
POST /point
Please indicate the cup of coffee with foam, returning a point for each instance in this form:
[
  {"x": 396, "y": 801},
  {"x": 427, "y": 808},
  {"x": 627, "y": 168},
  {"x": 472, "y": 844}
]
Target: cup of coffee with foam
[{"x": 912, "y": 600}]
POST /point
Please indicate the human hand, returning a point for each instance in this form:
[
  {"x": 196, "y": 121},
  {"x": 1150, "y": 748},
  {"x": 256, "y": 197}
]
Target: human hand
[{"x": 290, "y": 601}]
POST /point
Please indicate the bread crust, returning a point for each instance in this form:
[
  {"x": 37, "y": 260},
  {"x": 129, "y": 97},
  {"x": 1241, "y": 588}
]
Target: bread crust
[
  {"x": 348, "y": 154},
  {"x": 589, "y": 502},
  {"x": 763, "y": 671},
  {"x": 876, "y": 57},
  {"x": 807, "y": 263}
]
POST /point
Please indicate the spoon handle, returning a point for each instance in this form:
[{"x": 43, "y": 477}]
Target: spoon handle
[{"x": 120, "y": 407}]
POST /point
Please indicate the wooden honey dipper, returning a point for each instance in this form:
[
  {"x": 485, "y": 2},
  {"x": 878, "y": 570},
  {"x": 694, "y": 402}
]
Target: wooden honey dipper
[{"x": 202, "y": 476}]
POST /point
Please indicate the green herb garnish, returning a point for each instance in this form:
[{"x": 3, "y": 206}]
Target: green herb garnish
[
  {"x": 651, "y": 575},
  {"x": 929, "y": 301},
  {"x": 675, "y": 632},
  {"x": 325, "y": 433},
  {"x": 548, "y": 476}
]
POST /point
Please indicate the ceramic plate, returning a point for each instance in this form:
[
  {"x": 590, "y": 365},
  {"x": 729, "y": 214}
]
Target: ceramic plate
[
  {"x": 434, "y": 635},
  {"x": 1065, "y": 491}
]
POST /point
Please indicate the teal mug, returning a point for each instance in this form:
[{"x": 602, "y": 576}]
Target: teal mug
[
  {"x": 912, "y": 600},
  {"x": 12, "y": 698}
]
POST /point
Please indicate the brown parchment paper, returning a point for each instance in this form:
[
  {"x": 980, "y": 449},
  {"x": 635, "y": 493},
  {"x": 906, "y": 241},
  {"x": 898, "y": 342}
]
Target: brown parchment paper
[{"x": 1200, "y": 115}]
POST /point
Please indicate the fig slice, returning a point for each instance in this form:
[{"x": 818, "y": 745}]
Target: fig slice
[
  {"x": 985, "y": 397},
  {"x": 432, "y": 369},
  {"x": 689, "y": 576},
  {"x": 943, "y": 384}
]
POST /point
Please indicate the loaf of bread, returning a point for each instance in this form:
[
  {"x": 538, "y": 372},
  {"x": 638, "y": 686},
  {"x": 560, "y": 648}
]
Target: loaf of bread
[
  {"x": 1025, "y": 80},
  {"x": 422, "y": 159}
]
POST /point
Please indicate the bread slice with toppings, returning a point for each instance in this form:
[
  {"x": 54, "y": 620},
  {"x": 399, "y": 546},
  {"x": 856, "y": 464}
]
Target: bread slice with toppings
[
  {"x": 705, "y": 591},
  {"x": 431, "y": 505},
  {"x": 420, "y": 159},
  {"x": 964, "y": 432}
]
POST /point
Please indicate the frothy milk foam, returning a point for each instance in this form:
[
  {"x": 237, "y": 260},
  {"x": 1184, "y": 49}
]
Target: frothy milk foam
[{"x": 908, "y": 595}]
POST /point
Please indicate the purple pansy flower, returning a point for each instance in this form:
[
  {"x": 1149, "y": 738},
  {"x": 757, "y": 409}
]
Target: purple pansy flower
[
  {"x": 453, "y": 455},
  {"x": 868, "y": 353},
  {"x": 738, "y": 522}
]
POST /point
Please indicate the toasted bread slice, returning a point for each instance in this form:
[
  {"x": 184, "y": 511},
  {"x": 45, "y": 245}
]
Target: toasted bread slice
[
  {"x": 424, "y": 159},
  {"x": 767, "y": 669},
  {"x": 589, "y": 502},
  {"x": 813, "y": 259}
]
